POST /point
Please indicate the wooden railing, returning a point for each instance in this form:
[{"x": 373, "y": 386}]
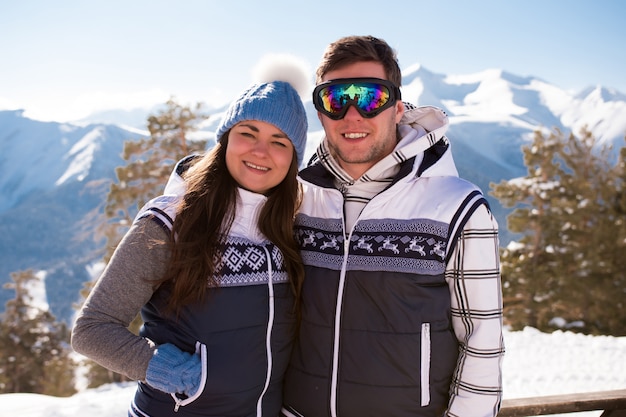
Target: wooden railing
[{"x": 612, "y": 403}]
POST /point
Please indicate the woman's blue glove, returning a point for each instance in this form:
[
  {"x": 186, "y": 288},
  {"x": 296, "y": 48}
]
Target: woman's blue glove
[{"x": 174, "y": 371}]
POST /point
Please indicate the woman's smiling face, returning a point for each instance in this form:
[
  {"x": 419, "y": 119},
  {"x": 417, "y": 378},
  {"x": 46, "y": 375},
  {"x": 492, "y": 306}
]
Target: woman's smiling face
[{"x": 258, "y": 155}]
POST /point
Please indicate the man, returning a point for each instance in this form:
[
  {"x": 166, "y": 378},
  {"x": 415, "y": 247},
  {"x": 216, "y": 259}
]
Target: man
[{"x": 401, "y": 305}]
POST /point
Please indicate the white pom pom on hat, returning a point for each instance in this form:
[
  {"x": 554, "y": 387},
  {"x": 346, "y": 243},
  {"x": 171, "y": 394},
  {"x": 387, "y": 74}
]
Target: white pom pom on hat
[
  {"x": 274, "y": 98},
  {"x": 283, "y": 67}
]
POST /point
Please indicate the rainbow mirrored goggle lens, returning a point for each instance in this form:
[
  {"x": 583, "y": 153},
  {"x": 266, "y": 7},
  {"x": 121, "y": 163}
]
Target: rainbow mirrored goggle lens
[{"x": 369, "y": 96}]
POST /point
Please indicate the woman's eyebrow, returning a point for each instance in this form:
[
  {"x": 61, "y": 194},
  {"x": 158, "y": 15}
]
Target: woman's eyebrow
[
  {"x": 250, "y": 126},
  {"x": 256, "y": 129}
]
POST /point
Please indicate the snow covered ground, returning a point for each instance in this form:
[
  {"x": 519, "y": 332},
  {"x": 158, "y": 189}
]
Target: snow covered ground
[{"x": 535, "y": 364}]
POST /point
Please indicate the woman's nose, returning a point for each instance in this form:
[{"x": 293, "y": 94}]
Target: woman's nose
[{"x": 260, "y": 147}]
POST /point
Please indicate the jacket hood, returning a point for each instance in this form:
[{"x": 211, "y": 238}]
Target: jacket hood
[
  {"x": 423, "y": 131},
  {"x": 175, "y": 183}
]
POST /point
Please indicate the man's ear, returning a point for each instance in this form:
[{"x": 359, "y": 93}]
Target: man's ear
[{"x": 399, "y": 110}]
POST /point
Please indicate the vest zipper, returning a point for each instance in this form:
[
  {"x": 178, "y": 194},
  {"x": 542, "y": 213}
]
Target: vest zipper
[
  {"x": 268, "y": 334},
  {"x": 425, "y": 365}
]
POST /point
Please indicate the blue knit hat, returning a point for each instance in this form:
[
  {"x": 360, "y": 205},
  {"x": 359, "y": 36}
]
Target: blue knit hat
[{"x": 275, "y": 102}]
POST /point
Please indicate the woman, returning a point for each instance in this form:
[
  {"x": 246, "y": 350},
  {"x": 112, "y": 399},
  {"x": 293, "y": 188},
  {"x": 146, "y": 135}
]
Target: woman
[{"x": 215, "y": 271}]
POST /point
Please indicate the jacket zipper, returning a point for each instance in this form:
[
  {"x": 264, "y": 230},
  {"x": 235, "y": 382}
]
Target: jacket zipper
[
  {"x": 339, "y": 308},
  {"x": 425, "y": 365},
  {"x": 178, "y": 402},
  {"x": 268, "y": 335}
]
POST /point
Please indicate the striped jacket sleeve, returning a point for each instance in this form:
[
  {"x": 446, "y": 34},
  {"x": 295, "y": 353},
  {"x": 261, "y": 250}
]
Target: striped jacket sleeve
[{"x": 473, "y": 276}]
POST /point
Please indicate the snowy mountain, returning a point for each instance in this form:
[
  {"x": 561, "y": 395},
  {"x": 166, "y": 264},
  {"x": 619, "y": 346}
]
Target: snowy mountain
[{"x": 54, "y": 176}]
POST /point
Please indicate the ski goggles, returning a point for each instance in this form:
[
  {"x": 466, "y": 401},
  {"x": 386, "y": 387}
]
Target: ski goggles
[{"x": 369, "y": 96}]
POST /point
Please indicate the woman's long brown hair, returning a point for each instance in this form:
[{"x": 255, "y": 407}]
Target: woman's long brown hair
[{"x": 205, "y": 216}]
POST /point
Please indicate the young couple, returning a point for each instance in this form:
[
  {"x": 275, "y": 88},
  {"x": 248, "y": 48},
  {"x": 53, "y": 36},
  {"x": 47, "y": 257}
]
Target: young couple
[{"x": 366, "y": 285}]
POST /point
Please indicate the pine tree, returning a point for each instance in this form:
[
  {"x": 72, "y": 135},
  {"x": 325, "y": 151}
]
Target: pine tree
[
  {"x": 565, "y": 270},
  {"x": 149, "y": 162},
  {"x": 35, "y": 346}
]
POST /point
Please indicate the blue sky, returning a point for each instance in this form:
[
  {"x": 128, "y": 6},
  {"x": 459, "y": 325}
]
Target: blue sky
[{"x": 62, "y": 60}]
